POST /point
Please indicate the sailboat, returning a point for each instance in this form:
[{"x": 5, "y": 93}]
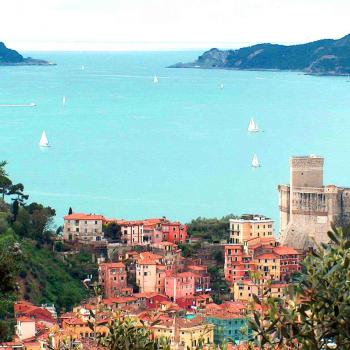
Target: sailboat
[
  {"x": 255, "y": 162},
  {"x": 253, "y": 127},
  {"x": 64, "y": 100},
  {"x": 44, "y": 142},
  {"x": 82, "y": 67},
  {"x": 221, "y": 86},
  {"x": 155, "y": 80},
  {"x": 348, "y": 80}
]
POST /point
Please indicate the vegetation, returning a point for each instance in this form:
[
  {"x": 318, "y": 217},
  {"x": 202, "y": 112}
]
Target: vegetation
[
  {"x": 29, "y": 268},
  {"x": 316, "y": 313},
  {"x": 319, "y": 57},
  {"x": 212, "y": 229},
  {"x": 126, "y": 334}
]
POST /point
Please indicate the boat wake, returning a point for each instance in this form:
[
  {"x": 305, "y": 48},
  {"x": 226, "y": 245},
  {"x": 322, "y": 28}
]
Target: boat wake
[{"x": 19, "y": 105}]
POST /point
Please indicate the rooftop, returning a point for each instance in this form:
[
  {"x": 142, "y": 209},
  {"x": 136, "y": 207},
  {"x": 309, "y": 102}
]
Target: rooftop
[
  {"x": 82, "y": 216},
  {"x": 251, "y": 218}
]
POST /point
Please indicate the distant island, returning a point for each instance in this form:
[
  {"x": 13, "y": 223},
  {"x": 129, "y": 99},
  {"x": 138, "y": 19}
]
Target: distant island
[
  {"x": 322, "y": 57},
  {"x": 10, "y": 57}
]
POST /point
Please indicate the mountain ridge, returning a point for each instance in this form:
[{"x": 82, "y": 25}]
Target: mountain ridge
[
  {"x": 321, "y": 57},
  {"x": 9, "y": 57}
]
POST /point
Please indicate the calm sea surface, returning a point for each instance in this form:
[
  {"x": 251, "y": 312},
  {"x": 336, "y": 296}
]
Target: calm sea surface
[{"x": 125, "y": 147}]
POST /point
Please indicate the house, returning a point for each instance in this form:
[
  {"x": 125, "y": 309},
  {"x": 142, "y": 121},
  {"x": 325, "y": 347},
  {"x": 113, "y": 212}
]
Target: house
[
  {"x": 183, "y": 333},
  {"x": 229, "y": 319},
  {"x": 250, "y": 226},
  {"x": 180, "y": 285},
  {"x": 83, "y": 227},
  {"x": 113, "y": 279},
  {"x": 150, "y": 273}
]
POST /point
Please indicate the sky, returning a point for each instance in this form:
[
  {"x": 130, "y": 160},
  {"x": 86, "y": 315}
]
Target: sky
[{"x": 167, "y": 24}]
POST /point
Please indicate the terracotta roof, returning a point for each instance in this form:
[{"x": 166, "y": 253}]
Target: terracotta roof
[
  {"x": 74, "y": 321},
  {"x": 268, "y": 256},
  {"x": 112, "y": 264},
  {"x": 284, "y": 250},
  {"x": 119, "y": 300},
  {"x": 198, "y": 267},
  {"x": 25, "y": 319},
  {"x": 82, "y": 216}
]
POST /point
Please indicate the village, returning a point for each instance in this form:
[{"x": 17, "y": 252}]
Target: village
[{"x": 144, "y": 275}]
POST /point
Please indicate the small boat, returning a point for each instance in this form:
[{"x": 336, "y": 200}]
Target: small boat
[
  {"x": 348, "y": 80},
  {"x": 253, "y": 127},
  {"x": 255, "y": 162},
  {"x": 64, "y": 100},
  {"x": 155, "y": 80},
  {"x": 44, "y": 142},
  {"x": 221, "y": 86},
  {"x": 82, "y": 67}
]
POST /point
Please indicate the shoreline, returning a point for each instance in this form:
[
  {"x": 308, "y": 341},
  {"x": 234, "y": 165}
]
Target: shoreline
[{"x": 263, "y": 70}]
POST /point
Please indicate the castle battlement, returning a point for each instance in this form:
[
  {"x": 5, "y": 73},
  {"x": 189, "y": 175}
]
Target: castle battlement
[{"x": 307, "y": 206}]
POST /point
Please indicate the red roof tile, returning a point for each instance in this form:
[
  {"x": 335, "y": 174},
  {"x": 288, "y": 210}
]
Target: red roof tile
[{"x": 82, "y": 216}]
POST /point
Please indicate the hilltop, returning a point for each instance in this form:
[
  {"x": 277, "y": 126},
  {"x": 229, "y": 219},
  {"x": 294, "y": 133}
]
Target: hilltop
[
  {"x": 322, "y": 57},
  {"x": 10, "y": 57}
]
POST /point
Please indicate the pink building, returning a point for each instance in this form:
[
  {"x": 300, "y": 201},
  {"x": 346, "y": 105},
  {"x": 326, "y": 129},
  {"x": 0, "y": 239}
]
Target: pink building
[
  {"x": 148, "y": 231},
  {"x": 180, "y": 285},
  {"x": 113, "y": 279},
  {"x": 201, "y": 278}
]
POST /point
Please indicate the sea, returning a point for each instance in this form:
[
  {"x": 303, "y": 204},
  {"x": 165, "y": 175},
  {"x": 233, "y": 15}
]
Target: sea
[{"x": 125, "y": 147}]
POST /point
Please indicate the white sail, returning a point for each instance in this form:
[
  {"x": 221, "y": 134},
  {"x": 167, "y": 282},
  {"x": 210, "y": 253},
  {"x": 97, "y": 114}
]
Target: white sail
[
  {"x": 255, "y": 162},
  {"x": 221, "y": 86},
  {"x": 64, "y": 100},
  {"x": 155, "y": 80},
  {"x": 44, "y": 142},
  {"x": 82, "y": 67},
  {"x": 253, "y": 127}
]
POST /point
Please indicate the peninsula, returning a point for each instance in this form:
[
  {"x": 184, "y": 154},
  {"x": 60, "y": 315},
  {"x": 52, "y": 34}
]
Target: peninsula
[
  {"x": 10, "y": 57},
  {"x": 322, "y": 57}
]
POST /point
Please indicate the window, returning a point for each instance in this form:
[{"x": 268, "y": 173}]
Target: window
[
  {"x": 95, "y": 222},
  {"x": 77, "y": 222}
]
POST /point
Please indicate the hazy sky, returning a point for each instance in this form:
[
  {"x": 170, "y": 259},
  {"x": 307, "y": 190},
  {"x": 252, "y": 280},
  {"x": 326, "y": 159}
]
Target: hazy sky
[{"x": 162, "y": 24}]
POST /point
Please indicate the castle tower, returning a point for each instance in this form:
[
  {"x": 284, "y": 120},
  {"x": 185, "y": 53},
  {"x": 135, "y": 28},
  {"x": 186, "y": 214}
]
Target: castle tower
[
  {"x": 306, "y": 171},
  {"x": 307, "y": 207}
]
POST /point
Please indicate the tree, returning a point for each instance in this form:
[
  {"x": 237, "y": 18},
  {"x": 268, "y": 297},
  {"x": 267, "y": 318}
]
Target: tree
[
  {"x": 315, "y": 314},
  {"x": 3, "y": 164},
  {"x": 112, "y": 231},
  {"x": 5, "y": 185},
  {"x": 126, "y": 334},
  {"x": 10, "y": 258},
  {"x": 70, "y": 211}
]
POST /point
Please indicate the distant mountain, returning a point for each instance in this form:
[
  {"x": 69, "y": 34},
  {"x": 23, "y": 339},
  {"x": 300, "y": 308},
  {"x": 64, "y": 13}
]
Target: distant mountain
[
  {"x": 322, "y": 57},
  {"x": 10, "y": 57}
]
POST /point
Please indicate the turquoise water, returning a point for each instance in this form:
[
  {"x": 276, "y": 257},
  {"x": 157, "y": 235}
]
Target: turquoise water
[{"x": 125, "y": 147}]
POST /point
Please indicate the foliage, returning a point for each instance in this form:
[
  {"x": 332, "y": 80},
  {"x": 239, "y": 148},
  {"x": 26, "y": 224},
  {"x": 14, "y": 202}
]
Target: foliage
[
  {"x": 218, "y": 283},
  {"x": 316, "y": 313},
  {"x": 49, "y": 279},
  {"x": 112, "y": 231},
  {"x": 10, "y": 258},
  {"x": 187, "y": 250},
  {"x": 126, "y": 334},
  {"x": 212, "y": 230},
  {"x": 41, "y": 277}
]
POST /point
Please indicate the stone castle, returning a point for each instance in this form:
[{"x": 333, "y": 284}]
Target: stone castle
[{"x": 307, "y": 207}]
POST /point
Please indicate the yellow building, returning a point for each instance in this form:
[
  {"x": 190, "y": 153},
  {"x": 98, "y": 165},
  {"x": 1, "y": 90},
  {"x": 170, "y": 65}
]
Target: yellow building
[
  {"x": 268, "y": 266},
  {"x": 185, "y": 333},
  {"x": 249, "y": 227},
  {"x": 243, "y": 290}
]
